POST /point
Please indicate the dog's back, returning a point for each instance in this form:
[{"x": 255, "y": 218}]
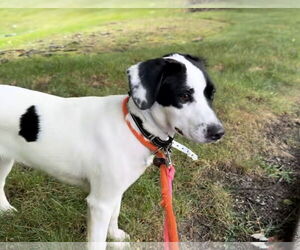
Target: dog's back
[
  {"x": 14, "y": 101},
  {"x": 61, "y": 136},
  {"x": 19, "y": 119}
]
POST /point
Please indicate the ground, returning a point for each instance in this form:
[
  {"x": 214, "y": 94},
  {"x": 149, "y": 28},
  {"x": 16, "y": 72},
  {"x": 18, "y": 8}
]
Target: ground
[{"x": 248, "y": 183}]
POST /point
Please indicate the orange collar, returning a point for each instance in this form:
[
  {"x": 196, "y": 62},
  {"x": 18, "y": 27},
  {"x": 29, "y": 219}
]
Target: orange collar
[{"x": 148, "y": 144}]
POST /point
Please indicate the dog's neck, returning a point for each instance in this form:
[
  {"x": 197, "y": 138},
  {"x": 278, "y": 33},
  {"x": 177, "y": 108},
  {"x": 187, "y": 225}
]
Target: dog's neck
[{"x": 149, "y": 122}]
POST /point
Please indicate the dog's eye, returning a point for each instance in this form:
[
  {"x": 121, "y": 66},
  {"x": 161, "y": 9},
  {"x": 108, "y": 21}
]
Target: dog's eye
[{"x": 184, "y": 98}]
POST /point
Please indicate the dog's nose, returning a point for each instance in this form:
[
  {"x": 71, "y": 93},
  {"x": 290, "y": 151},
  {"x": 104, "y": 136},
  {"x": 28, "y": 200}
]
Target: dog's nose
[{"x": 215, "y": 132}]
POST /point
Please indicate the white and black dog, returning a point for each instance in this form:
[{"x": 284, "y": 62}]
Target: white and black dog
[{"x": 85, "y": 141}]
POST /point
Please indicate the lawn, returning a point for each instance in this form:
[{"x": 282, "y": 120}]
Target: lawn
[{"x": 245, "y": 184}]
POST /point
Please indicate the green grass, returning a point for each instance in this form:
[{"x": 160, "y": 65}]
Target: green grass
[
  {"x": 254, "y": 61},
  {"x": 28, "y": 25}
]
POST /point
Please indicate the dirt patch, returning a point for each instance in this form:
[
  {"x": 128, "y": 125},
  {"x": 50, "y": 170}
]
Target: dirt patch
[
  {"x": 273, "y": 200},
  {"x": 120, "y": 36},
  {"x": 203, "y": 9},
  {"x": 265, "y": 203},
  {"x": 287, "y": 130}
]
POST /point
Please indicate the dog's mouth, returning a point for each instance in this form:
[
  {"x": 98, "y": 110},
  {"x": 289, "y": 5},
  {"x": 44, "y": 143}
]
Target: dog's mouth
[{"x": 179, "y": 131}]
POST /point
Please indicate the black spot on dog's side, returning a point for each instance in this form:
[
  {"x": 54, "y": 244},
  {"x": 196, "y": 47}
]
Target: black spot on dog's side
[{"x": 30, "y": 125}]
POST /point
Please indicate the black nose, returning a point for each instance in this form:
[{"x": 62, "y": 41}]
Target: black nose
[{"x": 215, "y": 132}]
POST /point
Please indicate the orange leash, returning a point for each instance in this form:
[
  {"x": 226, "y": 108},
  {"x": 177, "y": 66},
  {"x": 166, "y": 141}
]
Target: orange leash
[{"x": 171, "y": 234}]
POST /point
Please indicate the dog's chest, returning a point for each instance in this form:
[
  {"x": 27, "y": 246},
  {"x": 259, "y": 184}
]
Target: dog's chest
[{"x": 149, "y": 160}]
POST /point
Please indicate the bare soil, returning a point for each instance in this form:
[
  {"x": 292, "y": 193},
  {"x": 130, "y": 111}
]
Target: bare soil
[
  {"x": 269, "y": 204},
  {"x": 284, "y": 210},
  {"x": 274, "y": 202}
]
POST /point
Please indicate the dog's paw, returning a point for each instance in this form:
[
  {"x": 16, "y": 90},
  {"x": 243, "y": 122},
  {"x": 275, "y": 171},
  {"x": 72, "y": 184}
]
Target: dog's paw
[
  {"x": 7, "y": 208},
  {"x": 118, "y": 235},
  {"x": 118, "y": 246}
]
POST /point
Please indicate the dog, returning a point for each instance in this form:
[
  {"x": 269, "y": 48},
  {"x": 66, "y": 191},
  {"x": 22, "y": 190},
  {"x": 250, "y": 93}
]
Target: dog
[{"x": 86, "y": 141}]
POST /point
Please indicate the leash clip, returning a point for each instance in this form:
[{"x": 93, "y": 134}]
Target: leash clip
[
  {"x": 158, "y": 161},
  {"x": 168, "y": 159}
]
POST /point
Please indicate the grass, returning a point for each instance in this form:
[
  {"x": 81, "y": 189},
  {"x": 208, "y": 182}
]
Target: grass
[
  {"x": 254, "y": 61},
  {"x": 38, "y": 24}
]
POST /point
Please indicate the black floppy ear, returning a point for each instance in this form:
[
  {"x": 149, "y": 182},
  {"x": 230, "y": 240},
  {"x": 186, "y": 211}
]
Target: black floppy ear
[{"x": 145, "y": 79}]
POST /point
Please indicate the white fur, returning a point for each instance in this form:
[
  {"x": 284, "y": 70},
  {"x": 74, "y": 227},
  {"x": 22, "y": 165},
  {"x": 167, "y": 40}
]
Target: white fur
[
  {"x": 137, "y": 88},
  {"x": 85, "y": 141}
]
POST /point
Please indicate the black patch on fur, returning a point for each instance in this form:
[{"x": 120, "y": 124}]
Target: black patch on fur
[
  {"x": 151, "y": 75},
  {"x": 173, "y": 84},
  {"x": 29, "y": 125},
  {"x": 164, "y": 80},
  {"x": 200, "y": 63}
]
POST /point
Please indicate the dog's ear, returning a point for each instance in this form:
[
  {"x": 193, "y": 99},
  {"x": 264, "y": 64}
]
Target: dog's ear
[{"x": 145, "y": 79}]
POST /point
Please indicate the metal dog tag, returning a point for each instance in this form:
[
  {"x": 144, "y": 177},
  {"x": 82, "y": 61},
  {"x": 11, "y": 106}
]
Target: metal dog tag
[{"x": 184, "y": 150}]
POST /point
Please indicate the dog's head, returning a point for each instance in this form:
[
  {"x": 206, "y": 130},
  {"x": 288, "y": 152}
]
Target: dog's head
[{"x": 178, "y": 92}]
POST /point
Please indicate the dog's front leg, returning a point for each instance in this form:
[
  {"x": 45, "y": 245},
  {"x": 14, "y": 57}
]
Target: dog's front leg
[
  {"x": 113, "y": 230},
  {"x": 100, "y": 212}
]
